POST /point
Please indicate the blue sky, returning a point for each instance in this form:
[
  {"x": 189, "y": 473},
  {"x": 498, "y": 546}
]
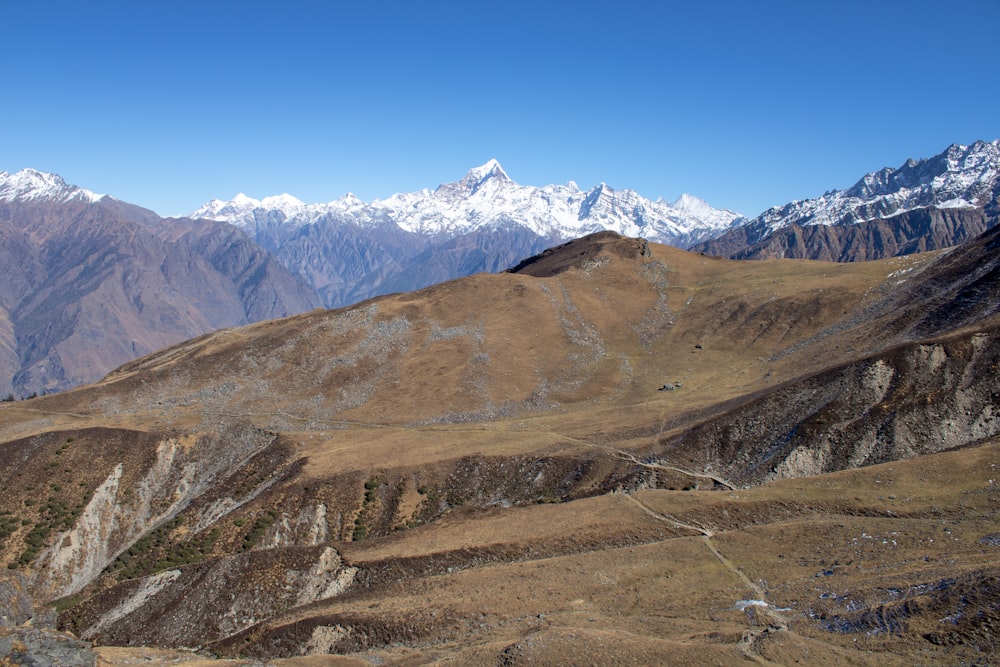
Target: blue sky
[{"x": 747, "y": 105}]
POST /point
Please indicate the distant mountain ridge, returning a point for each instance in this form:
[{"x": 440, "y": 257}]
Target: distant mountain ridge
[
  {"x": 93, "y": 282},
  {"x": 487, "y": 197},
  {"x": 923, "y": 205},
  {"x": 31, "y": 184},
  {"x": 351, "y": 250}
]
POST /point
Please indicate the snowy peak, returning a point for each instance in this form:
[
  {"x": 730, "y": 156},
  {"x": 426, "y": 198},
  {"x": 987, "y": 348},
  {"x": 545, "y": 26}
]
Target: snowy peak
[
  {"x": 218, "y": 209},
  {"x": 283, "y": 201},
  {"x": 242, "y": 201},
  {"x": 960, "y": 177},
  {"x": 249, "y": 213},
  {"x": 486, "y": 197},
  {"x": 31, "y": 184},
  {"x": 489, "y": 175},
  {"x": 952, "y": 172},
  {"x": 491, "y": 169},
  {"x": 690, "y": 204}
]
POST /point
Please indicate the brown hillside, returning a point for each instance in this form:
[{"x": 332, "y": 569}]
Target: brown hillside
[{"x": 618, "y": 451}]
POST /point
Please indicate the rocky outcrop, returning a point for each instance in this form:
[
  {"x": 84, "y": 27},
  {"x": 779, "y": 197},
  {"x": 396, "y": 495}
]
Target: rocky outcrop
[
  {"x": 915, "y": 399},
  {"x": 197, "y": 604},
  {"x": 28, "y": 635},
  {"x": 129, "y": 484}
]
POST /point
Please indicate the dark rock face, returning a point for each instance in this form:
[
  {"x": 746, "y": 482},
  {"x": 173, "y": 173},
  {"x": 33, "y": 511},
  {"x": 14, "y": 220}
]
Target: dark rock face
[
  {"x": 93, "y": 285},
  {"x": 33, "y": 647},
  {"x": 903, "y": 234}
]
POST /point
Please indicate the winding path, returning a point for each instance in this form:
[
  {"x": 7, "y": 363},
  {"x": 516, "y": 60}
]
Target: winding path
[{"x": 774, "y": 620}]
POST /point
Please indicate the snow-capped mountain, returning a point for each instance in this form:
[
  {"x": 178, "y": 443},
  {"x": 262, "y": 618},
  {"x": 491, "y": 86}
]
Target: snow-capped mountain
[
  {"x": 922, "y": 205},
  {"x": 960, "y": 177},
  {"x": 486, "y": 197},
  {"x": 351, "y": 250},
  {"x": 30, "y": 184}
]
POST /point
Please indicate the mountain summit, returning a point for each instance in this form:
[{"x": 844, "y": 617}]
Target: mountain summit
[
  {"x": 487, "y": 197},
  {"x": 490, "y": 170},
  {"x": 31, "y": 184},
  {"x": 923, "y": 204},
  {"x": 351, "y": 250}
]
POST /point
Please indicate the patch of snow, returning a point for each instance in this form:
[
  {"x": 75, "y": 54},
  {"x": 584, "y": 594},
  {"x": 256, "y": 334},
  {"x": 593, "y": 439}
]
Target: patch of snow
[
  {"x": 743, "y": 605},
  {"x": 957, "y": 202}
]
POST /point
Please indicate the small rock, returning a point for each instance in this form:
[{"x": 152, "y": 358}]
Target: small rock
[
  {"x": 15, "y": 602},
  {"x": 36, "y": 647}
]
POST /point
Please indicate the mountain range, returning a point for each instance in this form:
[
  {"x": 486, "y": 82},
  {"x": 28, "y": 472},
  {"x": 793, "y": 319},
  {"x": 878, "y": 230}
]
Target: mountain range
[
  {"x": 617, "y": 452},
  {"x": 922, "y": 205},
  {"x": 94, "y": 282},
  {"x": 349, "y": 250}
]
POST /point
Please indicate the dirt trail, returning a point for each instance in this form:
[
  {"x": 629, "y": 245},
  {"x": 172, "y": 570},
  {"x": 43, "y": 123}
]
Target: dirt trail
[
  {"x": 773, "y": 621},
  {"x": 673, "y": 468},
  {"x": 631, "y": 458}
]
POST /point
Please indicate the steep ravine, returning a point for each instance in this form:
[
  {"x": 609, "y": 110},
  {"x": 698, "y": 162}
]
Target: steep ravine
[
  {"x": 86, "y": 496},
  {"x": 914, "y": 399},
  {"x": 281, "y": 550}
]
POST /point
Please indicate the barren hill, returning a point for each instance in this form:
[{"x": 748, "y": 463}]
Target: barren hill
[{"x": 619, "y": 451}]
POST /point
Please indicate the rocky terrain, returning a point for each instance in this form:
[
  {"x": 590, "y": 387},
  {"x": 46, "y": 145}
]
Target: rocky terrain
[
  {"x": 616, "y": 452},
  {"x": 28, "y": 635}
]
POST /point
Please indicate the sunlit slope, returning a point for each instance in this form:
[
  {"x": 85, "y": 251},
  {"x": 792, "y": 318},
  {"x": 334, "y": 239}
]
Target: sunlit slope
[{"x": 618, "y": 320}]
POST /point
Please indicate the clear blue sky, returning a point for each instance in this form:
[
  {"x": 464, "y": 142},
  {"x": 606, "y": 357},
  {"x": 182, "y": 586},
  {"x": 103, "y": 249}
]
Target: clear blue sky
[{"x": 745, "y": 104}]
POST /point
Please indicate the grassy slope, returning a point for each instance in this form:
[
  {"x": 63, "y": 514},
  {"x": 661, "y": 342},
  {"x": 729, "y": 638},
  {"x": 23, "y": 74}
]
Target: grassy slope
[{"x": 565, "y": 366}]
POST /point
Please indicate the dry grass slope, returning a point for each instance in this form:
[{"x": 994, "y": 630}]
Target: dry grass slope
[{"x": 491, "y": 470}]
